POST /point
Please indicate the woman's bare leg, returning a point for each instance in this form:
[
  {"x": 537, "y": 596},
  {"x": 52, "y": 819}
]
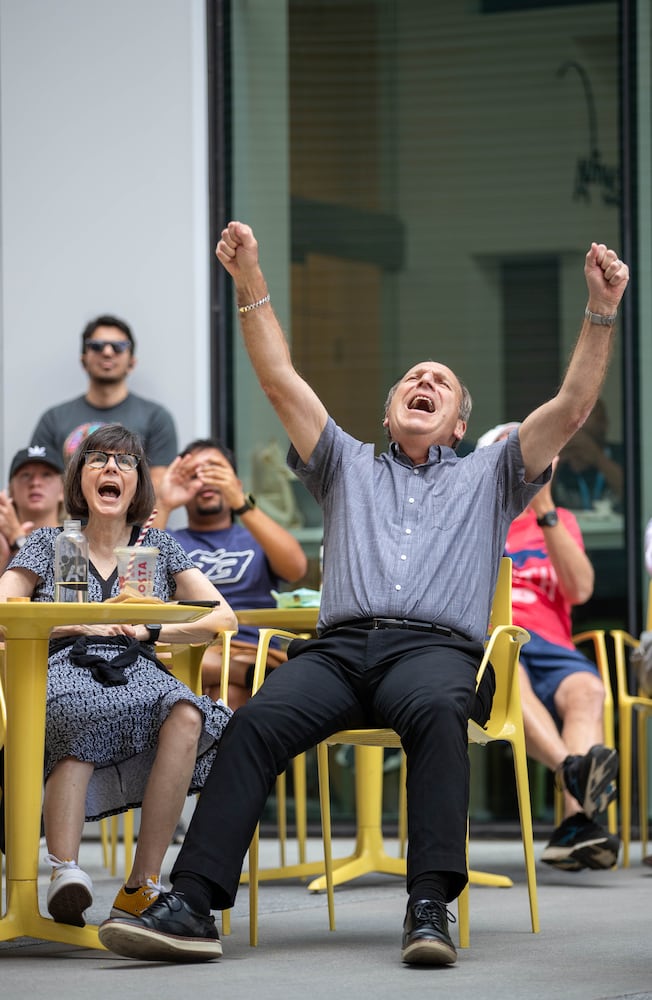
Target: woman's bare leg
[{"x": 167, "y": 789}]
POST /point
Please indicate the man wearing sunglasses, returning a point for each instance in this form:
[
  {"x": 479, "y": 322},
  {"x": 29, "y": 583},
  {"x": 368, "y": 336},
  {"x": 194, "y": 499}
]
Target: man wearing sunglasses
[{"x": 108, "y": 355}]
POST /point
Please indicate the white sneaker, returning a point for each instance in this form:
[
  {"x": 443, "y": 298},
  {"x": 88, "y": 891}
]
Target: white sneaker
[{"x": 70, "y": 892}]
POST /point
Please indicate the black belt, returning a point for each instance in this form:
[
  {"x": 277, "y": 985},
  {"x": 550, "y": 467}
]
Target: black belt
[{"x": 367, "y": 624}]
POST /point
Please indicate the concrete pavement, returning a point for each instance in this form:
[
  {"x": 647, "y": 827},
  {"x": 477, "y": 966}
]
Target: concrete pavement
[{"x": 594, "y": 942}]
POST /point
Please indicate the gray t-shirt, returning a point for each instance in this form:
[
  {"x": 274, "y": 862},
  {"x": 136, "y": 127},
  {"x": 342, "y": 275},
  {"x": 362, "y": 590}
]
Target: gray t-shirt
[
  {"x": 62, "y": 427},
  {"x": 413, "y": 541}
]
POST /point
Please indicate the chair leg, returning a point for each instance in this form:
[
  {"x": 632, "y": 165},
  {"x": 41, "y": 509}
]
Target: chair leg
[
  {"x": 625, "y": 726},
  {"x": 325, "y": 808},
  {"x": 300, "y": 804},
  {"x": 463, "y": 917},
  {"x": 641, "y": 744},
  {"x": 128, "y": 840},
  {"x": 104, "y": 839},
  {"x": 402, "y": 807},
  {"x": 463, "y": 904},
  {"x": 226, "y": 923},
  {"x": 612, "y": 817},
  {"x": 281, "y": 816},
  {"x": 114, "y": 846},
  {"x": 559, "y": 806},
  {"x": 524, "y": 807},
  {"x": 253, "y": 888}
]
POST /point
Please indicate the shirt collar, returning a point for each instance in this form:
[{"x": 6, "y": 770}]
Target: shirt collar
[{"x": 436, "y": 453}]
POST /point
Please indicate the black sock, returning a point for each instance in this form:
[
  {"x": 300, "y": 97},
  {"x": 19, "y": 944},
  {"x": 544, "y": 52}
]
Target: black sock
[
  {"x": 195, "y": 890},
  {"x": 430, "y": 885}
]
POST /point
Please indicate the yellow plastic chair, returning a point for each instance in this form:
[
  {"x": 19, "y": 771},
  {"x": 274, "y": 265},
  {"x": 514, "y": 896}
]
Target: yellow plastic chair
[
  {"x": 505, "y": 724},
  {"x": 630, "y": 705},
  {"x": 3, "y": 705},
  {"x": 3, "y": 723}
]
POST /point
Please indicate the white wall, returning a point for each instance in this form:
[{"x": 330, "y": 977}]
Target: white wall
[{"x": 103, "y": 201}]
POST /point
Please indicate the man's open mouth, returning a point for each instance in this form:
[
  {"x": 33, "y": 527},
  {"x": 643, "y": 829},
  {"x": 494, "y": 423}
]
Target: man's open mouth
[{"x": 424, "y": 403}]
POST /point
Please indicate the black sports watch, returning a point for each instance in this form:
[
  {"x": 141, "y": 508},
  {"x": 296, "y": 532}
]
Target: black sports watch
[
  {"x": 249, "y": 504},
  {"x": 154, "y": 632},
  {"x": 549, "y": 519}
]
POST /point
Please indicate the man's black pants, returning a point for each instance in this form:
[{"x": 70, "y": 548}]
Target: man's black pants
[{"x": 420, "y": 684}]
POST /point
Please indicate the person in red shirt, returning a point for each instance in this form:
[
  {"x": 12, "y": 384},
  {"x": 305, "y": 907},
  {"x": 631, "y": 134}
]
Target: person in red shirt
[{"x": 562, "y": 695}]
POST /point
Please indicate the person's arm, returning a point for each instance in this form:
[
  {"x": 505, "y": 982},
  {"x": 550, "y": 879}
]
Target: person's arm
[
  {"x": 570, "y": 561},
  {"x": 192, "y": 585},
  {"x": 545, "y": 431},
  {"x": 17, "y": 583},
  {"x": 11, "y": 529},
  {"x": 300, "y": 410},
  {"x": 175, "y": 488},
  {"x": 584, "y": 452},
  {"x": 283, "y": 551},
  {"x": 156, "y": 473}
]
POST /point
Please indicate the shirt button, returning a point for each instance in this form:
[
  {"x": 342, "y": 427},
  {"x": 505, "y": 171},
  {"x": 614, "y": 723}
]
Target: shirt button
[
  {"x": 403, "y": 558},
  {"x": 408, "y": 531},
  {"x": 411, "y": 500},
  {"x": 416, "y": 472},
  {"x": 397, "y": 587}
]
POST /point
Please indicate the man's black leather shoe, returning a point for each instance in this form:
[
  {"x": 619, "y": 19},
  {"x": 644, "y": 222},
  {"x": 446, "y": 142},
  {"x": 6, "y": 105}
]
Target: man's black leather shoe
[
  {"x": 167, "y": 931},
  {"x": 426, "y": 940}
]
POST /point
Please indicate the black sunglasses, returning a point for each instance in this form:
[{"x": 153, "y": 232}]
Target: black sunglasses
[
  {"x": 98, "y": 459},
  {"x": 118, "y": 346}
]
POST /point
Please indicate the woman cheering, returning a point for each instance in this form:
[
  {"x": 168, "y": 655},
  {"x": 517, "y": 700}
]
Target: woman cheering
[{"x": 121, "y": 731}]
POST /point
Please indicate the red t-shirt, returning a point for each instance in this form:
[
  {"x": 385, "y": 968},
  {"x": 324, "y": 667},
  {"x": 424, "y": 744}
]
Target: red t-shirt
[{"x": 538, "y": 604}]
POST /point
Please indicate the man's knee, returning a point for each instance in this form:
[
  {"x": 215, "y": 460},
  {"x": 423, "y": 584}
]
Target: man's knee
[{"x": 580, "y": 690}]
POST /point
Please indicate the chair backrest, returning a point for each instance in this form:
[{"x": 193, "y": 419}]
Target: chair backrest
[
  {"x": 3, "y": 706},
  {"x": 649, "y": 608},
  {"x": 501, "y": 608},
  {"x": 502, "y": 652},
  {"x": 184, "y": 660}
]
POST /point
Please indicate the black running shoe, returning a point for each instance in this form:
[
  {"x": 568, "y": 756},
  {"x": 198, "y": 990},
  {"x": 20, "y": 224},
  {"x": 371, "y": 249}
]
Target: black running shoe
[
  {"x": 590, "y": 778},
  {"x": 580, "y": 843},
  {"x": 167, "y": 931},
  {"x": 426, "y": 940}
]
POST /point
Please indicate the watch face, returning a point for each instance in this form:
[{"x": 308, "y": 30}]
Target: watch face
[{"x": 549, "y": 520}]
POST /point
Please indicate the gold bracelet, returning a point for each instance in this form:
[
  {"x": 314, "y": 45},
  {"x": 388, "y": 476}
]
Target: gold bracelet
[
  {"x": 254, "y": 305},
  {"x": 599, "y": 318}
]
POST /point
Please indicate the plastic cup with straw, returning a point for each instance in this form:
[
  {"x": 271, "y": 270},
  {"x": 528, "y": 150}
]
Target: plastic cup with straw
[{"x": 136, "y": 563}]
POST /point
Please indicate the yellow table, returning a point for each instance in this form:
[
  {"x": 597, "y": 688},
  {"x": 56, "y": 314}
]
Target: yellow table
[
  {"x": 369, "y": 854},
  {"x": 26, "y": 627}
]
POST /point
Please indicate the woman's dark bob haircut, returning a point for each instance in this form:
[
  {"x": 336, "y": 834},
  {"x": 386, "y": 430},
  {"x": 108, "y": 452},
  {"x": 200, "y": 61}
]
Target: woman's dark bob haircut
[{"x": 116, "y": 439}]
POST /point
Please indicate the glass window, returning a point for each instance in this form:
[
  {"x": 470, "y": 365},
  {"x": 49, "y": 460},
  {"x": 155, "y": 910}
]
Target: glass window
[{"x": 436, "y": 174}]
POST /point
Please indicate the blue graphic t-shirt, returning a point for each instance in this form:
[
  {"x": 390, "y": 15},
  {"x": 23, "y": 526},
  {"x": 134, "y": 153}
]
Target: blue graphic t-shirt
[{"x": 233, "y": 560}]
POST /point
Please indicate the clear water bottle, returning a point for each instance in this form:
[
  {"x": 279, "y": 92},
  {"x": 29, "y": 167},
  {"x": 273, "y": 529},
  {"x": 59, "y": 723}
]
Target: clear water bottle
[{"x": 71, "y": 564}]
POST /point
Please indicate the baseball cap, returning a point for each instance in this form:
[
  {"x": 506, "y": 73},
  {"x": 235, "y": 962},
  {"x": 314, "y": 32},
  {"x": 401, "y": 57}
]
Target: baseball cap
[
  {"x": 491, "y": 436},
  {"x": 35, "y": 453}
]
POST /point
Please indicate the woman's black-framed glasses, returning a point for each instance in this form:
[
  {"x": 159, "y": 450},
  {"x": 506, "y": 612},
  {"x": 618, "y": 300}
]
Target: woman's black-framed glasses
[{"x": 98, "y": 459}]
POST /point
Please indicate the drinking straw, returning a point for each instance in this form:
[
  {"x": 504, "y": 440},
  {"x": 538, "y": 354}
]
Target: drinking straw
[{"x": 139, "y": 541}]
